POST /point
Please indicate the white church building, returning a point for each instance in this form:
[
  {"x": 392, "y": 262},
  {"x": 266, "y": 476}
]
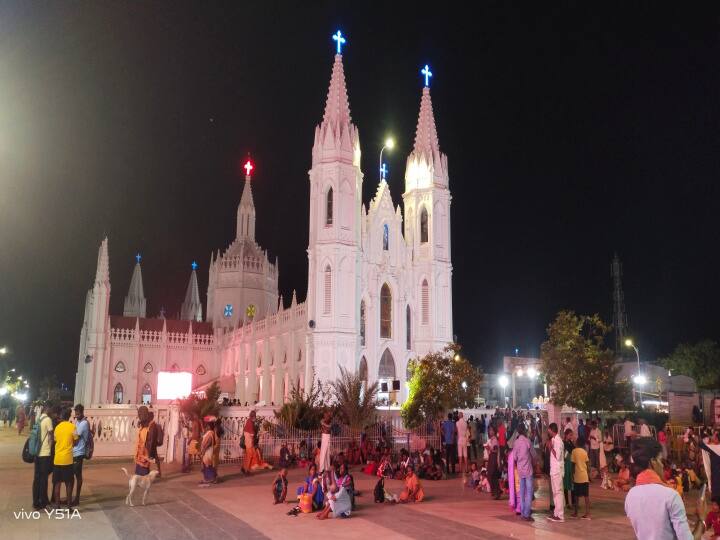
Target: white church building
[{"x": 379, "y": 291}]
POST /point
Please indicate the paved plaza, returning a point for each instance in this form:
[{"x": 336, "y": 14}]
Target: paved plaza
[{"x": 241, "y": 507}]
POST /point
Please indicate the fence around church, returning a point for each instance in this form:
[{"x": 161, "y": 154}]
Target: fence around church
[
  {"x": 386, "y": 432},
  {"x": 115, "y": 428}
]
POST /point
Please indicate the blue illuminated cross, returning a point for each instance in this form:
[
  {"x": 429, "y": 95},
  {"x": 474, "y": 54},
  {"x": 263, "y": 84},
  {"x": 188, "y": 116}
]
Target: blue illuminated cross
[
  {"x": 138, "y": 257},
  {"x": 228, "y": 310},
  {"x": 340, "y": 41},
  {"x": 194, "y": 265},
  {"x": 426, "y": 71},
  {"x": 383, "y": 171}
]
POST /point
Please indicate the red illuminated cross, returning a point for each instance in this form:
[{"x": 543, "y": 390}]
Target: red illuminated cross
[{"x": 248, "y": 167}]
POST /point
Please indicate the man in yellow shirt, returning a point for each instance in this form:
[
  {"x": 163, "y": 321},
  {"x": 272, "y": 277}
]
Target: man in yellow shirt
[
  {"x": 581, "y": 477},
  {"x": 65, "y": 439}
]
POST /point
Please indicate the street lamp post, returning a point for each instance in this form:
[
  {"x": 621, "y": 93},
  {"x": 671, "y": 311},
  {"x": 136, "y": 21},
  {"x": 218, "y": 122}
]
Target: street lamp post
[
  {"x": 503, "y": 380},
  {"x": 639, "y": 379},
  {"x": 389, "y": 144}
]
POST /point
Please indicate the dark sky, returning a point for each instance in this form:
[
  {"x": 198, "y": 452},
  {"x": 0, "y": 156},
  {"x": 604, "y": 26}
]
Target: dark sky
[{"x": 572, "y": 131}]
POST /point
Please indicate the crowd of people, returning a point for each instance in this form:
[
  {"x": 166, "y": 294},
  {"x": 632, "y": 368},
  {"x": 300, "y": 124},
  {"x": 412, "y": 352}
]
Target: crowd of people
[{"x": 502, "y": 454}]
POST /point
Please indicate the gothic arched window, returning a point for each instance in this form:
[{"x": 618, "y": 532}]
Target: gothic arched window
[
  {"x": 408, "y": 323},
  {"x": 362, "y": 323},
  {"x": 201, "y": 370},
  {"x": 118, "y": 393},
  {"x": 425, "y": 301},
  {"x": 327, "y": 304},
  {"x": 386, "y": 370},
  {"x": 120, "y": 367},
  {"x": 423, "y": 225},
  {"x": 386, "y": 237},
  {"x": 385, "y": 311},
  {"x": 363, "y": 369},
  {"x": 146, "y": 394},
  {"x": 148, "y": 368},
  {"x": 329, "y": 207}
]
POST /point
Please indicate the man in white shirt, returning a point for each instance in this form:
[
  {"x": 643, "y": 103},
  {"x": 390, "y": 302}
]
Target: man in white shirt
[
  {"x": 557, "y": 469},
  {"x": 595, "y": 440},
  {"x": 462, "y": 442},
  {"x": 43, "y": 461}
]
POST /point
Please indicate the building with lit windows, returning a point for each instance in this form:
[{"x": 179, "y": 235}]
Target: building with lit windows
[{"x": 379, "y": 291}]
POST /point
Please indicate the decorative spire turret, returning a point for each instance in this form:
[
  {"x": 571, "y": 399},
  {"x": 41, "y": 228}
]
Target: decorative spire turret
[
  {"x": 191, "y": 309},
  {"x": 426, "y": 164},
  {"x": 135, "y": 303},
  {"x": 336, "y": 137},
  {"x": 246, "y": 209},
  {"x": 102, "y": 272}
]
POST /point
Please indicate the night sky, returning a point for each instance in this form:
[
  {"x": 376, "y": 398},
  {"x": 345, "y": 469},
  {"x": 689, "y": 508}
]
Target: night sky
[{"x": 572, "y": 131}]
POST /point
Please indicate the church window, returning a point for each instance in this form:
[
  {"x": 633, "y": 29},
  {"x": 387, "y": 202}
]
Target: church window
[
  {"x": 201, "y": 370},
  {"x": 363, "y": 369},
  {"x": 386, "y": 237},
  {"x": 327, "y": 305},
  {"x": 425, "y": 300},
  {"x": 299, "y": 356},
  {"x": 146, "y": 394},
  {"x": 385, "y": 311},
  {"x": 362, "y": 323},
  {"x": 329, "y": 207},
  {"x": 387, "y": 366},
  {"x": 148, "y": 368},
  {"x": 423, "y": 226},
  {"x": 118, "y": 393},
  {"x": 120, "y": 367},
  {"x": 408, "y": 326}
]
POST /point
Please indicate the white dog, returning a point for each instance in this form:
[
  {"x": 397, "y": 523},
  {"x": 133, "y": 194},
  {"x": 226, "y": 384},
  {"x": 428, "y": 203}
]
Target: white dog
[{"x": 144, "y": 482}]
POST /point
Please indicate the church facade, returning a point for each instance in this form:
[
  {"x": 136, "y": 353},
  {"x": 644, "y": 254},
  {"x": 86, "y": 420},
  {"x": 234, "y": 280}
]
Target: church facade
[{"x": 379, "y": 289}]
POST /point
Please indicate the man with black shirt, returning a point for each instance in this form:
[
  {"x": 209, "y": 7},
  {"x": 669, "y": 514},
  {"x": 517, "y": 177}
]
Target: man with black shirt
[
  {"x": 43, "y": 461},
  {"x": 449, "y": 434}
]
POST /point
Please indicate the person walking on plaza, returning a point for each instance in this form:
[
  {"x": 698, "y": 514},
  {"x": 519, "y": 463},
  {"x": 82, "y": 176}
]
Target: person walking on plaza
[
  {"x": 524, "y": 456},
  {"x": 461, "y": 428},
  {"x": 82, "y": 430},
  {"x": 43, "y": 463},
  {"x": 154, "y": 431},
  {"x": 249, "y": 436},
  {"x": 144, "y": 445},
  {"x": 207, "y": 451},
  {"x": 557, "y": 469},
  {"x": 20, "y": 418},
  {"x": 65, "y": 438},
  {"x": 493, "y": 463},
  {"x": 581, "y": 477},
  {"x": 595, "y": 437},
  {"x": 325, "y": 425},
  {"x": 449, "y": 434},
  {"x": 655, "y": 510}
]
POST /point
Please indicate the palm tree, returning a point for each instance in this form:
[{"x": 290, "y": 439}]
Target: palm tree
[{"x": 355, "y": 400}]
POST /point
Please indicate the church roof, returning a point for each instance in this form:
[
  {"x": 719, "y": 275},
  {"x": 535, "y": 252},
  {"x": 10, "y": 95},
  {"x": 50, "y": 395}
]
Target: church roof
[
  {"x": 191, "y": 309},
  {"x": 135, "y": 300}
]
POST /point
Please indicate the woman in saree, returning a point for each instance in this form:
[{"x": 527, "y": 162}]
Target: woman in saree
[
  {"x": 312, "y": 487},
  {"x": 413, "y": 489},
  {"x": 207, "y": 451}
]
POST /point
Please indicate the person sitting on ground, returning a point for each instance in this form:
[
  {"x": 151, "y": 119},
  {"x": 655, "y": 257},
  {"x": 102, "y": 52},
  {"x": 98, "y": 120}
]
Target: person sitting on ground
[
  {"x": 484, "y": 485},
  {"x": 303, "y": 460},
  {"x": 345, "y": 479},
  {"x": 654, "y": 510},
  {"x": 385, "y": 469},
  {"x": 279, "y": 487},
  {"x": 312, "y": 487},
  {"x": 413, "y": 489},
  {"x": 338, "y": 500},
  {"x": 403, "y": 464},
  {"x": 353, "y": 453},
  {"x": 474, "y": 477}
]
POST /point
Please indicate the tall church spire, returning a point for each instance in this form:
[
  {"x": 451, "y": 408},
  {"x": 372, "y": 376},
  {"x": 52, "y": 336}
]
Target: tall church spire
[
  {"x": 426, "y": 164},
  {"x": 135, "y": 303},
  {"x": 336, "y": 138},
  {"x": 102, "y": 272},
  {"x": 191, "y": 309},
  {"x": 246, "y": 209}
]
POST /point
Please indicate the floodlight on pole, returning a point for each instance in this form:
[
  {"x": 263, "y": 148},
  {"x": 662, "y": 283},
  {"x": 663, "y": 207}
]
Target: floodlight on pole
[{"x": 639, "y": 376}]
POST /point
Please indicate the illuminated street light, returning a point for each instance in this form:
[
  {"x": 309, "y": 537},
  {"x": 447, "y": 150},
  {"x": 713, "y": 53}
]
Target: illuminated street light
[
  {"x": 503, "y": 380},
  {"x": 464, "y": 385},
  {"x": 640, "y": 379},
  {"x": 3, "y": 350},
  {"x": 532, "y": 372},
  {"x": 389, "y": 144},
  {"x": 3, "y": 391},
  {"x": 629, "y": 343}
]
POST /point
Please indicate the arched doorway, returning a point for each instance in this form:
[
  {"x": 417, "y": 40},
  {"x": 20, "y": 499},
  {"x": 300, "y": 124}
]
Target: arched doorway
[{"x": 118, "y": 394}]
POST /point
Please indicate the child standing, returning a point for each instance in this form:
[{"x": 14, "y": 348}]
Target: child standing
[{"x": 581, "y": 477}]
